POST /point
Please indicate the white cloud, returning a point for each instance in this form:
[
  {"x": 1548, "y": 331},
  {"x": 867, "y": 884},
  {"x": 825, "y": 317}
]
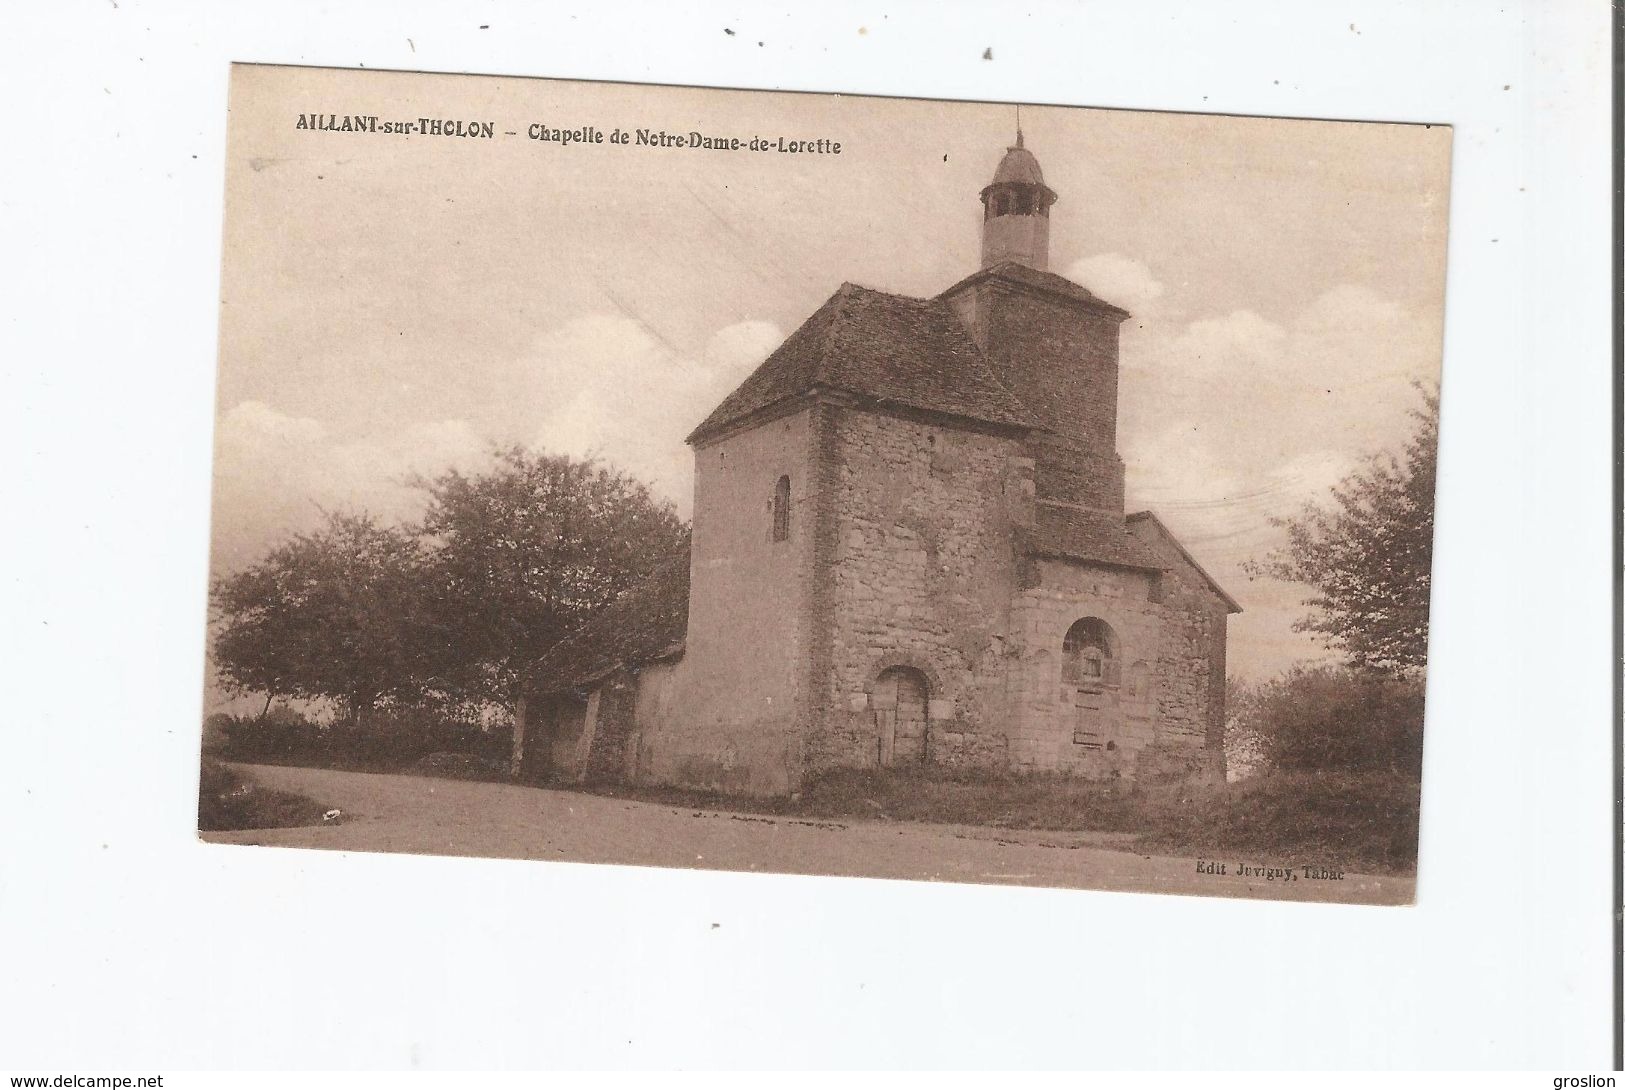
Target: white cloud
[
  {"x": 276, "y": 473},
  {"x": 611, "y": 389},
  {"x": 1120, "y": 280},
  {"x": 1177, "y": 466},
  {"x": 255, "y": 422},
  {"x": 737, "y": 349},
  {"x": 1231, "y": 420},
  {"x": 1332, "y": 383},
  {"x": 441, "y": 444},
  {"x": 600, "y": 385},
  {"x": 1225, "y": 422},
  {"x": 1218, "y": 349}
]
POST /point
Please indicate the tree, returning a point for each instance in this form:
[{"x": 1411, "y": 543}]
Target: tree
[
  {"x": 1369, "y": 554},
  {"x": 523, "y": 553},
  {"x": 333, "y": 614}
]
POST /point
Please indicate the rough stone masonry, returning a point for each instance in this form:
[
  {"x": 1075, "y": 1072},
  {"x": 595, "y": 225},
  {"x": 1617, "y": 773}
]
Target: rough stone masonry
[{"x": 909, "y": 547}]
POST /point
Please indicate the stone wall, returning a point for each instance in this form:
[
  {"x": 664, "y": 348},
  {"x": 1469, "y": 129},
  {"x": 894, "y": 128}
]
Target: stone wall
[
  {"x": 1193, "y": 659},
  {"x": 668, "y": 746},
  {"x": 1161, "y": 715},
  {"x": 1057, "y": 725},
  {"x": 920, "y": 573},
  {"x": 902, "y": 552},
  {"x": 550, "y": 745},
  {"x": 736, "y": 706},
  {"x": 1068, "y": 471},
  {"x": 1058, "y": 355},
  {"x": 607, "y": 744}
]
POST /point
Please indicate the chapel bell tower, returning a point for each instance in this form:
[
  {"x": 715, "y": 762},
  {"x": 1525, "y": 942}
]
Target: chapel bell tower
[{"x": 1015, "y": 211}]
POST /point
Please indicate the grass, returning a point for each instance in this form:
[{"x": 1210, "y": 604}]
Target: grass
[
  {"x": 1366, "y": 821},
  {"x": 1360, "y": 821},
  {"x": 449, "y": 766},
  {"x": 1000, "y": 800},
  {"x": 229, "y": 800}
]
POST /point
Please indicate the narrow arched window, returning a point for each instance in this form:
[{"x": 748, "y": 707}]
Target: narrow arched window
[
  {"x": 781, "y": 510},
  {"x": 1089, "y": 654}
]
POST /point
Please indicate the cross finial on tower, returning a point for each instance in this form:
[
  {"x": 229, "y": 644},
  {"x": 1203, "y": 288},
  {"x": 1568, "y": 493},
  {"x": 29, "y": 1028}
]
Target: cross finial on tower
[{"x": 1019, "y": 142}]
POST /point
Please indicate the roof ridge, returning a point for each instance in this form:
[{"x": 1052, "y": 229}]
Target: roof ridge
[
  {"x": 604, "y": 642},
  {"x": 826, "y": 343},
  {"x": 1168, "y": 535},
  {"x": 990, "y": 370},
  {"x": 850, "y": 288},
  {"x": 889, "y": 348},
  {"x": 1043, "y": 280}
]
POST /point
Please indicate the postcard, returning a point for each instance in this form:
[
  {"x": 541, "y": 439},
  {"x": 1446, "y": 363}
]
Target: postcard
[{"x": 824, "y": 484}]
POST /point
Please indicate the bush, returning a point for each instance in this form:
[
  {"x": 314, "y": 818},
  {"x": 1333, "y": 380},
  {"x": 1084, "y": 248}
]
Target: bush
[
  {"x": 462, "y": 766},
  {"x": 279, "y": 734},
  {"x": 1327, "y": 719},
  {"x": 1364, "y": 820},
  {"x": 389, "y": 741},
  {"x": 214, "y": 732},
  {"x": 226, "y": 799},
  {"x": 1360, "y": 819}
]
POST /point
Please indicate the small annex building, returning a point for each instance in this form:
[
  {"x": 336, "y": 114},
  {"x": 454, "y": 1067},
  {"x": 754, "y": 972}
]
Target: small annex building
[{"x": 909, "y": 546}]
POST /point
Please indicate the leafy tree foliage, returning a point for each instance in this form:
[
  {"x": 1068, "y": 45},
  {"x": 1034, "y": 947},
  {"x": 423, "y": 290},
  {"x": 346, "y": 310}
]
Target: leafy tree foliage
[
  {"x": 1337, "y": 718},
  {"x": 453, "y": 610},
  {"x": 523, "y": 553},
  {"x": 332, "y": 614},
  {"x": 1369, "y": 555}
]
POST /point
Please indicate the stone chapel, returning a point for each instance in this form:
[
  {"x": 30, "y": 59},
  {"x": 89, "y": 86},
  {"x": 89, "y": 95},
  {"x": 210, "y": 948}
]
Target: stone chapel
[{"x": 909, "y": 547}]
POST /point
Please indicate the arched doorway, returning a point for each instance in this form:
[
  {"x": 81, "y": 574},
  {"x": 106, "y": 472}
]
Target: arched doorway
[
  {"x": 901, "y": 702},
  {"x": 1090, "y": 672}
]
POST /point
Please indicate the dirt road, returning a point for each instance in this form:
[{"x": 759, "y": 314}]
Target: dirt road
[{"x": 429, "y": 816}]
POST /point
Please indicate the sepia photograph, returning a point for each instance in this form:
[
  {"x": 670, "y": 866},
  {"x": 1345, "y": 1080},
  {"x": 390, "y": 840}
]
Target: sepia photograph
[
  {"x": 904, "y": 538},
  {"x": 823, "y": 484}
]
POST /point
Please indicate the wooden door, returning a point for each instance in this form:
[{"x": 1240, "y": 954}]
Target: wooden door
[{"x": 901, "y": 703}]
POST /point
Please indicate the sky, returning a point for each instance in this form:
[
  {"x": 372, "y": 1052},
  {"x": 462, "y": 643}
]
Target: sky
[{"x": 398, "y": 304}]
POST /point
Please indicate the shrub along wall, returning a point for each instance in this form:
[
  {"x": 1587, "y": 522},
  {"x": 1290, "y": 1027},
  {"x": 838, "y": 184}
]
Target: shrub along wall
[
  {"x": 1339, "y": 719},
  {"x": 389, "y": 741}
]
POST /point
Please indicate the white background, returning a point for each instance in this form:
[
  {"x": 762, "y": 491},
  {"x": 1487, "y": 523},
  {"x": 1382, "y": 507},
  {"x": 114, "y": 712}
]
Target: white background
[{"x": 126, "y": 944}]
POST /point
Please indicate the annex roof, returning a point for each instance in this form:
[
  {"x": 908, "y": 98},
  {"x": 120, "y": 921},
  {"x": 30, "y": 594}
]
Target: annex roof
[
  {"x": 1099, "y": 537},
  {"x": 1149, "y": 519},
  {"x": 645, "y": 624}
]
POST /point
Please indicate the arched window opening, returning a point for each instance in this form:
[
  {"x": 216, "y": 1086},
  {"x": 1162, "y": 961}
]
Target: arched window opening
[
  {"x": 781, "y": 510},
  {"x": 1089, "y": 655}
]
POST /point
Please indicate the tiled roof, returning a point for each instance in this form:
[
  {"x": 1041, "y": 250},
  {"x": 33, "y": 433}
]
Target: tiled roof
[
  {"x": 1019, "y": 166},
  {"x": 884, "y": 349},
  {"x": 647, "y": 622},
  {"x": 1100, "y": 537},
  {"x": 1053, "y": 283},
  {"x": 1150, "y": 521}
]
